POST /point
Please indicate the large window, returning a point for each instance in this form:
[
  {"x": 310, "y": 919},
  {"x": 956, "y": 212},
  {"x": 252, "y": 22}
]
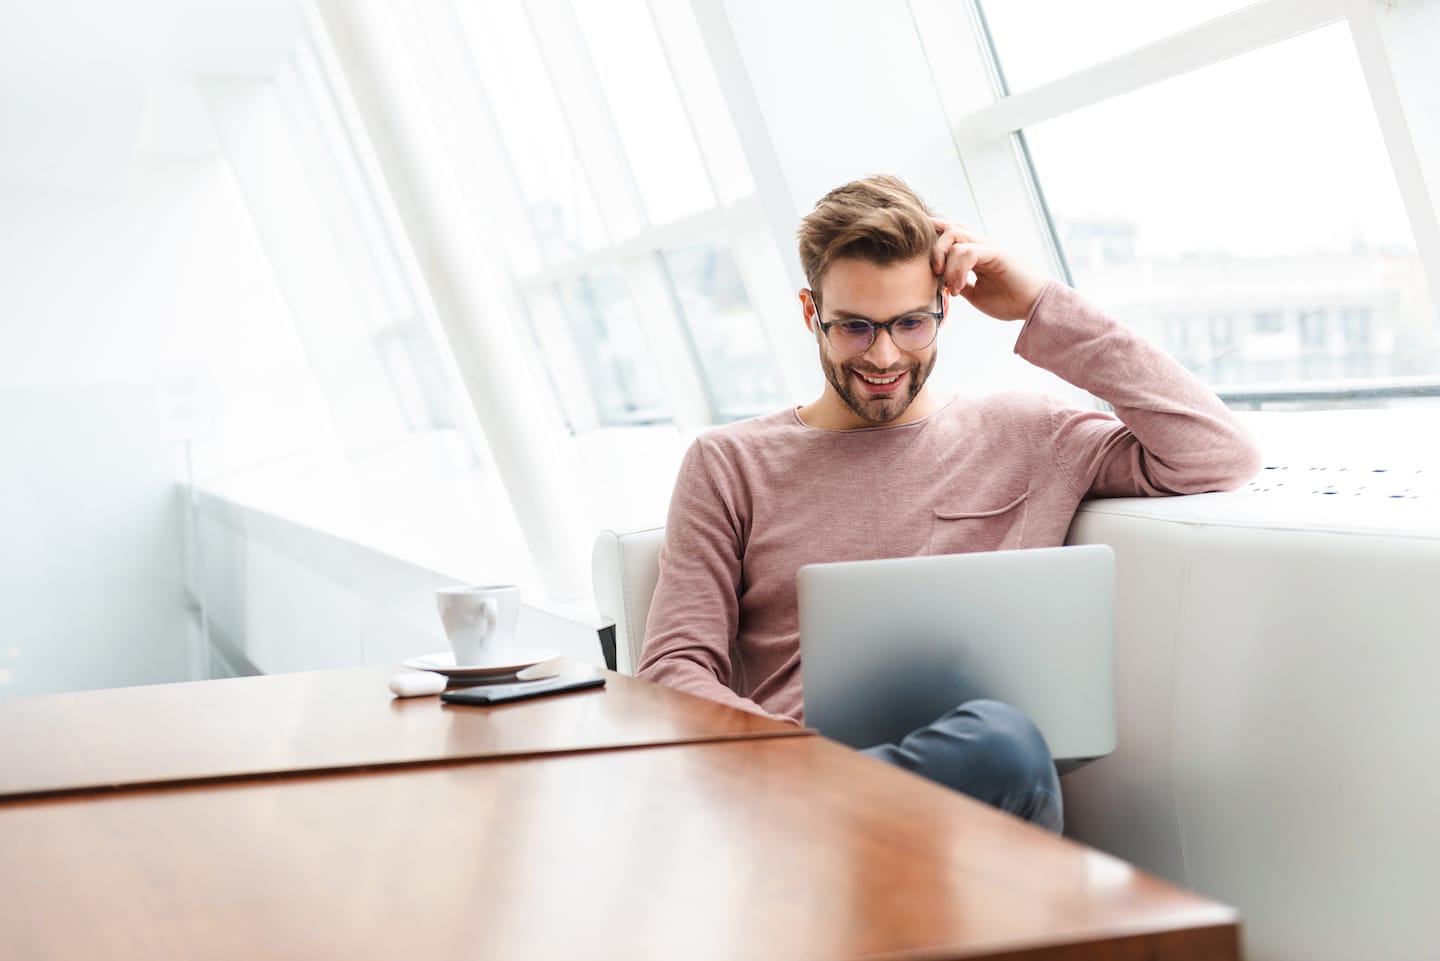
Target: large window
[
  {"x": 1247, "y": 209},
  {"x": 614, "y": 130},
  {"x": 1263, "y": 232}
]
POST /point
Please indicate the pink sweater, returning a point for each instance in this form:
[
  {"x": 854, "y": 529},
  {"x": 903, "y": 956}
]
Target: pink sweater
[{"x": 757, "y": 500}]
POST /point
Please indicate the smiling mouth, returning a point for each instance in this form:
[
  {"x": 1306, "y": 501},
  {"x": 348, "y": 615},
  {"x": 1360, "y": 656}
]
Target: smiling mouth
[{"x": 881, "y": 385}]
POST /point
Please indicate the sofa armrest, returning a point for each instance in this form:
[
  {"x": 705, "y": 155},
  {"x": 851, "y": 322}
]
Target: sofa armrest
[{"x": 625, "y": 566}]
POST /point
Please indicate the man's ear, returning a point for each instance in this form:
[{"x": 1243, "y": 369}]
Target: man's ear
[{"x": 808, "y": 309}]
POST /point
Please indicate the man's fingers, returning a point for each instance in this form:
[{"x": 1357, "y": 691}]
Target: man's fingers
[
  {"x": 960, "y": 260},
  {"x": 958, "y": 264},
  {"x": 984, "y": 274},
  {"x": 949, "y": 235},
  {"x": 944, "y": 243}
]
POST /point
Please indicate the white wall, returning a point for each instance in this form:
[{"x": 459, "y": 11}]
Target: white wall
[
  {"x": 90, "y": 590},
  {"x": 117, "y": 310}
]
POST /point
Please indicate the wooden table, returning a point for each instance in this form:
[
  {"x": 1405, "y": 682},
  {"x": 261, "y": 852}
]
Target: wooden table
[
  {"x": 326, "y": 721},
  {"x": 720, "y": 839},
  {"x": 764, "y": 849}
]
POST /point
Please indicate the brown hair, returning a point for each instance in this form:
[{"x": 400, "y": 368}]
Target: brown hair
[{"x": 878, "y": 219}]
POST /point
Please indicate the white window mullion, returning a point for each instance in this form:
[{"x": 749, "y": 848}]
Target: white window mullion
[
  {"x": 435, "y": 42},
  {"x": 674, "y": 234},
  {"x": 618, "y": 197},
  {"x": 690, "y": 405},
  {"x": 1415, "y": 192},
  {"x": 583, "y": 103},
  {"x": 565, "y": 362},
  {"x": 342, "y": 184},
  {"x": 750, "y": 126},
  {"x": 320, "y": 61},
  {"x": 777, "y": 305},
  {"x": 1004, "y": 204},
  {"x": 434, "y": 46},
  {"x": 1219, "y": 39},
  {"x": 362, "y": 42},
  {"x": 704, "y": 105}
]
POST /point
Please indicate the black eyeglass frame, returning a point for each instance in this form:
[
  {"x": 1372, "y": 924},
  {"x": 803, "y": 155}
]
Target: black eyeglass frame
[{"x": 938, "y": 315}]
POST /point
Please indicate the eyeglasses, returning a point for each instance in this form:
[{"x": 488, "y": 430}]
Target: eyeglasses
[{"x": 913, "y": 331}]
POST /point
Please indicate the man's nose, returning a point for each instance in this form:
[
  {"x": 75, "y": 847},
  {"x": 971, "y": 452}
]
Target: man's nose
[{"x": 882, "y": 352}]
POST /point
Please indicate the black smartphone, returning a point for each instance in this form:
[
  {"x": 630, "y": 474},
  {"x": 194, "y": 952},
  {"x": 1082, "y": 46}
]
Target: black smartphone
[{"x": 504, "y": 693}]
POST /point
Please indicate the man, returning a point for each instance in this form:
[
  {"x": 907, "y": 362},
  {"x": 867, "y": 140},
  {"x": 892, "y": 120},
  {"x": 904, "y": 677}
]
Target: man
[{"x": 880, "y": 466}]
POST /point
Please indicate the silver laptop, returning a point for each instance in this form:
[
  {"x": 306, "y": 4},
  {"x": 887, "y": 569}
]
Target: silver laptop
[{"x": 888, "y": 646}]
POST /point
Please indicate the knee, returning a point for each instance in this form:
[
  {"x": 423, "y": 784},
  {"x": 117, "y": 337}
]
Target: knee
[
  {"x": 990, "y": 751},
  {"x": 1013, "y": 746},
  {"x": 1022, "y": 775}
]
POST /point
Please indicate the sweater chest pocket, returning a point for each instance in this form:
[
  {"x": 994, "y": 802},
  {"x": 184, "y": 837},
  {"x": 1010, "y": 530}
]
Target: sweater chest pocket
[{"x": 994, "y": 523}]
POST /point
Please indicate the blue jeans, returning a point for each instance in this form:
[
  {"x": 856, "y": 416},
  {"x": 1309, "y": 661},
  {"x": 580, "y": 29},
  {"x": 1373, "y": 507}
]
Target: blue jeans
[{"x": 990, "y": 751}]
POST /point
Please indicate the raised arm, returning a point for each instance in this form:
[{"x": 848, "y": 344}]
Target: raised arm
[
  {"x": 1170, "y": 434},
  {"x": 694, "y": 616}
]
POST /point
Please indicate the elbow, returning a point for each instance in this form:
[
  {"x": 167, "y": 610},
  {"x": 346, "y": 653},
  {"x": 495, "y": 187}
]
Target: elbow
[
  {"x": 1224, "y": 466},
  {"x": 1244, "y": 462},
  {"x": 676, "y": 668},
  {"x": 1230, "y": 466},
  {"x": 652, "y": 666}
]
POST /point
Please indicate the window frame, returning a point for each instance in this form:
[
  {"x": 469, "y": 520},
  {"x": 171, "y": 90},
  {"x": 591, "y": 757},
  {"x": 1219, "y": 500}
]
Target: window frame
[
  {"x": 988, "y": 122},
  {"x": 635, "y": 243}
]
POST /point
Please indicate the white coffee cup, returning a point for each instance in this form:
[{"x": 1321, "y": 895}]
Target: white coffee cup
[{"x": 479, "y": 620}]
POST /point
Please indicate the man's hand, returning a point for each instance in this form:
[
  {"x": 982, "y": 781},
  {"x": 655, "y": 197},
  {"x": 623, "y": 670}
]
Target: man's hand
[{"x": 1002, "y": 288}]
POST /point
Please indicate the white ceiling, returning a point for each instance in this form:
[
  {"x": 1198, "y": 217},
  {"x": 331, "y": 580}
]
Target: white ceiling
[{"x": 86, "y": 84}]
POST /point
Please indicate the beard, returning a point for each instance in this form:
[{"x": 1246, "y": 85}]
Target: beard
[{"x": 877, "y": 410}]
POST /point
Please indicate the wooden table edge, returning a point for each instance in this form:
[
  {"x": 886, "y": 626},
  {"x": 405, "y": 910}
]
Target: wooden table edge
[
  {"x": 1217, "y": 941},
  {"x": 128, "y": 787}
]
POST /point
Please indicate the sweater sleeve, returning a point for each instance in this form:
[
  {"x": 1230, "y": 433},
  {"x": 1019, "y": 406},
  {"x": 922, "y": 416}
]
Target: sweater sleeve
[
  {"x": 1170, "y": 434},
  {"x": 695, "y": 612}
]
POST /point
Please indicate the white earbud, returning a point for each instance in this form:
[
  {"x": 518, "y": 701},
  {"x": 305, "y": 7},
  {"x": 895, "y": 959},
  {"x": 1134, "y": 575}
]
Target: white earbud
[{"x": 417, "y": 684}]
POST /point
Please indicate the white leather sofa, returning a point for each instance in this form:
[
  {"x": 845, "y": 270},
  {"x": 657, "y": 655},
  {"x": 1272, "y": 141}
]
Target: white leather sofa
[{"x": 1278, "y": 658}]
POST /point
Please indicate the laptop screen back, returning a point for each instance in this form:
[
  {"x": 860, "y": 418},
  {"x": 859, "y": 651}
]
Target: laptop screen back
[{"x": 888, "y": 646}]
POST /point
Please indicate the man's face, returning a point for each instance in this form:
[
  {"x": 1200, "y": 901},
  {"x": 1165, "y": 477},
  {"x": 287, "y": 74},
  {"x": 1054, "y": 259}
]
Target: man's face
[{"x": 860, "y": 289}]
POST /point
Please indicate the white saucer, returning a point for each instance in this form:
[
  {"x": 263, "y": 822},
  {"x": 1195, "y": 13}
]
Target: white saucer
[{"x": 507, "y": 661}]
